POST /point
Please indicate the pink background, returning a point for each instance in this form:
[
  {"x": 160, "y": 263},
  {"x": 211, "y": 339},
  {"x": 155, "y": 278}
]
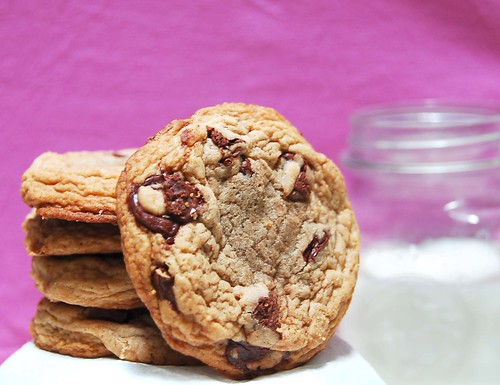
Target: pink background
[{"x": 80, "y": 75}]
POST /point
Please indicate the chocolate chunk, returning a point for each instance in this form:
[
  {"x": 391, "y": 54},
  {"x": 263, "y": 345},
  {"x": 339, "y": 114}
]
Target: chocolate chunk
[
  {"x": 219, "y": 140},
  {"x": 187, "y": 137},
  {"x": 163, "y": 283},
  {"x": 246, "y": 166},
  {"x": 157, "y": 224},
  {"x": 183, "y": 202},
  {"x": 288, "y": 155},
  {"x": 314, "y": 248},
  {"x": 154, "y": 179},
  {"x": 228, "y": 149},
  {"x": 301, "y": 189},
  {"x": 267, "y": 311},
  {"x": 240, "y": 354},
  {"x": 228, "y": 162},
  {"x": 229, "y": 159}
]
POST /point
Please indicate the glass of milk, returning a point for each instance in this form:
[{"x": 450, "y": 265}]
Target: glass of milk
[{"x": 424, "y": 181}]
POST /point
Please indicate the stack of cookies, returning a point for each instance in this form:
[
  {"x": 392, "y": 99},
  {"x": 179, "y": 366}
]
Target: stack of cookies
[
  {"x": 90, "y": 307},
  {"x": 237, "y": 237}
]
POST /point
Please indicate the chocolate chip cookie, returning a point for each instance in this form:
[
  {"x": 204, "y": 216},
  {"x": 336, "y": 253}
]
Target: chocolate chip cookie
[
  {"x": 74, "y": 186},
  {"x": 239, "y": 238},
  {"x": 86, "y": 280},
  {"x": 52, "y": 236},
  {"x": 130, "y": 335}
]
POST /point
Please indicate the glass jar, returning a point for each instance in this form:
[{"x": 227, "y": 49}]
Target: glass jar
[{"x": 424, "y": 182}]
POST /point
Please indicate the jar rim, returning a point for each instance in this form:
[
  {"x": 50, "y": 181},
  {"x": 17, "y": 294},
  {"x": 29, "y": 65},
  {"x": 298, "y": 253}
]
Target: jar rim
[
  {"x": 418, "y": 168},
  {"x": 425, "y": 136},
  {"x": 429, "y": 110}
]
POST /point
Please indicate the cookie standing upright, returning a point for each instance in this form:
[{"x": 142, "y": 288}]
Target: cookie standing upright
[
  {"x": 90, "y": 307},
  {"x": 239, "y": 238}
]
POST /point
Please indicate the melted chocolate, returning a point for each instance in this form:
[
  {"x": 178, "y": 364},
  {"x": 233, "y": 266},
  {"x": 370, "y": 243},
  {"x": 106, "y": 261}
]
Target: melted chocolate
[
  {"x": 219, "y": 140},
  {"x": 267, "y": 311},
  {"x": 246, "y": 166},
  {"x": 288, "y": 155},
  {"x": 301, "y": 189},
  {"x": 224, "y": 144},
  {"x": 314, "y": 248},
  {"x": 183, "y": 201},
  {"x": 157, "y": 224},
  {"x": 240, "y": 354},
  {"x": 163, "y": 283}
]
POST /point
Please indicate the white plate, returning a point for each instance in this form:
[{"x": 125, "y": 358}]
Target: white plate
[{"x": 337, "y": 364}]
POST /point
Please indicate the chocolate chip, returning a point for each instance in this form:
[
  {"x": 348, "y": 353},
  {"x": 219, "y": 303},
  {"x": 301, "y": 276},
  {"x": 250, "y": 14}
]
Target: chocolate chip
[
  {"x": 267, "y": 311},
  {"x": 157, "y": 224},
  {"x": 240, "y": 354},
  {"x": 183, "y": 201},
  {"x": 228, "y": 162},
  {"x": 314, "y": 248},
  {"x": 246, "y": 166},
  {"x": 219, "y": 140},
  {"x": 288, "y": 155},
  {"x": 301, "y": 189},
  {"x": 230, "y": 149},
  {"x": 187, "y": 137},
  {"x": 163, "y": 283},
  {"x": 154, "y": 179}
]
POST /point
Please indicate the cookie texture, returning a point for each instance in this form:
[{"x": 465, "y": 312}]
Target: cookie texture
[
  {"x": 45, "y": 237},
  {"x": 130, "y": 335},
  {"x": 74, "y": 186},
  {"x": 239, "y": 238},
  {"x": 86, "y": 280}
]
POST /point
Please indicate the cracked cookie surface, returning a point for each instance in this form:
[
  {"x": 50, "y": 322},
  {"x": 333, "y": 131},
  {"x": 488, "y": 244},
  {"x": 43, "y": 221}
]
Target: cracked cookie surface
[
  {"x": 130, "y": 335},
  {"x": 74, "y": 186},
  {"x": 239, "y": 238}
]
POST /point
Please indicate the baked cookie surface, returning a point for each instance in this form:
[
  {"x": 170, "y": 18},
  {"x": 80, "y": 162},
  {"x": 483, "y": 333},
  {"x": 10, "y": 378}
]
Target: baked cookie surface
[
  {"x": 239, "y": 238},
  {"x": 74, "y": 186},
  {"x": 85, "y": 280},
  {"x": 130, "y": 335},
  {"x": 59, "y": 237}
]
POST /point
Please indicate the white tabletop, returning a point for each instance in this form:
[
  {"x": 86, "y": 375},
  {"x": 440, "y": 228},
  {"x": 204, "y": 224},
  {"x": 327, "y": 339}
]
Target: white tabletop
[{"x": 337, "y": 364}]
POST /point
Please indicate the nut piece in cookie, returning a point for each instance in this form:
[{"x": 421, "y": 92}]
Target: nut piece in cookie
[{"x": 239, "y": 238}]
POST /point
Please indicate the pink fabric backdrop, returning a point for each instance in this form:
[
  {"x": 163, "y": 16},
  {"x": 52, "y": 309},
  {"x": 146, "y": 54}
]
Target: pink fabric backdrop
[{"x": 80, "y": 75}]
